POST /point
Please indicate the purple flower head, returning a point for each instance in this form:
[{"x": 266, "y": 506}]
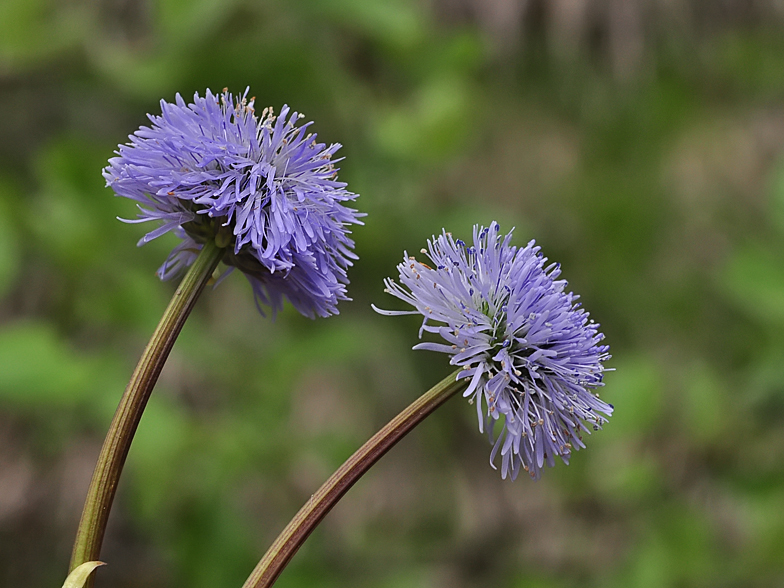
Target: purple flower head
[
  {"x": 260, "y": 185},
  {"x": 531, "y": 353}
]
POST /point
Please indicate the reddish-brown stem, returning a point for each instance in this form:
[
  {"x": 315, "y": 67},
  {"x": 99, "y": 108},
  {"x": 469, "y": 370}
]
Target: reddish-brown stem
[{"x": 310, "y": 515}]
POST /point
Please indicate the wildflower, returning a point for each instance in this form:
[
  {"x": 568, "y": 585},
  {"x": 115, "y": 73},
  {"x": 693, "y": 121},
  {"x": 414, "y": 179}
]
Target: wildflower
[
  {"x": 531, "y": 353},
  {"x": 259, "y": 185}
]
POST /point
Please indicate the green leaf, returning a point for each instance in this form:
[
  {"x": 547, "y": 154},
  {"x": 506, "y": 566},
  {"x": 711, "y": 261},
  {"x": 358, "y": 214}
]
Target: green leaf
[
  {"x": 396, "y": 23},
  {"x": 9, "y": 239},
  {"x": 639, "y": 388},
  {"x": 706, "y": 410},
  {"x": 428, "y": 125},
  {"x": 78, "y": 577},
  {"x": 754, "y": 280},
  {"x": 57, "y": 375}
]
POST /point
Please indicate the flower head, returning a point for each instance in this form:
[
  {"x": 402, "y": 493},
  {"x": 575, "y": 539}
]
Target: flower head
[
  {"x": 531, "y": 353},
  {"x": 259, "y": 185}
]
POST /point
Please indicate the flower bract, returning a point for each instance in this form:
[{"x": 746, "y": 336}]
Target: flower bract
[
  {"x": 259, "y": 185},
  {"x": 533, "y": 357}
]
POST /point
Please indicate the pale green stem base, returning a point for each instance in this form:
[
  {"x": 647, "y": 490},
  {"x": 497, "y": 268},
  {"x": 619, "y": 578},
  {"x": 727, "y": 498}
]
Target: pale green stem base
[
  {"x": 103, "y": 486},
  {"x": 310, "y": 515}
]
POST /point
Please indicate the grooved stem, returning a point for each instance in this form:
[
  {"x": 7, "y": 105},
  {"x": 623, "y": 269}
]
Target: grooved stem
[{"x": 89, "y": 535}]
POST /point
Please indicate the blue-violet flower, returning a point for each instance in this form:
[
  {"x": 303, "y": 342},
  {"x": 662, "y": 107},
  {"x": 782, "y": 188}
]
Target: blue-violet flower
[
  {"x": 532, "y": 354},
  {"x": 259, "y": 185}
]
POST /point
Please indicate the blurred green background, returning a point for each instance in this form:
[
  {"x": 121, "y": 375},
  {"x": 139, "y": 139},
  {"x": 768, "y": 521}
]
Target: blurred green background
[{"x": 641, "y": 142}]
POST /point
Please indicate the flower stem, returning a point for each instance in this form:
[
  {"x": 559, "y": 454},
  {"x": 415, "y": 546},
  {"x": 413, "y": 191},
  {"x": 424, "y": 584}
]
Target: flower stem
[
  {"x": 103, "y": 486},
  {"x": 310, "y": 515}
]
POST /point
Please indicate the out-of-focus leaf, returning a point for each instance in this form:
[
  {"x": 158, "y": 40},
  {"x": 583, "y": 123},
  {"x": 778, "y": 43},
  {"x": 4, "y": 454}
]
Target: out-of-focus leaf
[
  {"x": 74, "y": 216},
  {"x": 31, "y": 30},
  {"x": 777, "y": 198},
  {"x": 752, "y": 60},
  {"x": 159, "y": 441},
  {"x": 40, "y": 370},
  {"x": 636, "y": 390},
  {"x": 706, "y": 413},
  {"x": 623, "y": 471},
  {"x": 134, "y": 297},
  {"x": 397, "y": 23},
  {"x": 676, "y": 550},
  {"x": 185, "y": 21},
  {"x": 763, "y": 521},
  {"x": 431, "y": 125},
  {"x": 9, "y": 241},
  {"x": 753, "y": 278}
]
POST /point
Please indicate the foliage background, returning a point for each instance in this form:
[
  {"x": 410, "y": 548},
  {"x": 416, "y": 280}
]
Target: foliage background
[{"x": 639, "y": 141}]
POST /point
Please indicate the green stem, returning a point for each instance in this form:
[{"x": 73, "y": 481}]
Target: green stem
[
  {"x": 310, "y": 515},
  {"x": 87, "y": 546}
]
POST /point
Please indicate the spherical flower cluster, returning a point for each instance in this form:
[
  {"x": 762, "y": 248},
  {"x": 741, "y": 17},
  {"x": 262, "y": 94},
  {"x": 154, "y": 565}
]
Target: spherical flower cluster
[
  {"x": 531, "y": 353},
  {"x": 259, "y": 185}
]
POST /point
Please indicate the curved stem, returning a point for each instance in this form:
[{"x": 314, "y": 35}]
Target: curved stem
[
  {"x": 103, "y": 486},
  {"x": 310, "y": 515}
]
